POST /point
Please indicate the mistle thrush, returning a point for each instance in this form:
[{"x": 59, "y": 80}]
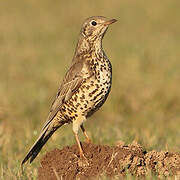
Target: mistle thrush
[{"x": 85, "y": 87}]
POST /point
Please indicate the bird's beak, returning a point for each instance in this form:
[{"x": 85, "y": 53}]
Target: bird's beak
[{"x": 110, "y": 21}]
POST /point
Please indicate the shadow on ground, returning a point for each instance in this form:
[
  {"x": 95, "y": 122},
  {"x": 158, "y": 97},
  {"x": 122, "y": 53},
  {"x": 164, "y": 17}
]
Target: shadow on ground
[{"x": 104, "y": 160}]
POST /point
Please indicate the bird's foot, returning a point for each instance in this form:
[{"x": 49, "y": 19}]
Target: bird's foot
[
  {"x": 88, "y": 141},
  {"x": 83, "y": 162}
]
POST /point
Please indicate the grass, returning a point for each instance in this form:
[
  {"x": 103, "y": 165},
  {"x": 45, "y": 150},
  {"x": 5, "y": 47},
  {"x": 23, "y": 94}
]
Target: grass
[{"x": 37, "y": 41}]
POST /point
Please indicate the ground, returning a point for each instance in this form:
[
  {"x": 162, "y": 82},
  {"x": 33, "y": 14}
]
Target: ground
[{"x": 108, "y": 161}]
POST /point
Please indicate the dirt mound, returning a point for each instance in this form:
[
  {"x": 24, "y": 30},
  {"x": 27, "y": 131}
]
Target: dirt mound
[{"x": 109, "y": 161}]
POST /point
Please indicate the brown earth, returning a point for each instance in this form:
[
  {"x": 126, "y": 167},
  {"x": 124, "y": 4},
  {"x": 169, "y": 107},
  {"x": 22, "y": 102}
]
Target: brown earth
[{"x": 103, "y": 160}]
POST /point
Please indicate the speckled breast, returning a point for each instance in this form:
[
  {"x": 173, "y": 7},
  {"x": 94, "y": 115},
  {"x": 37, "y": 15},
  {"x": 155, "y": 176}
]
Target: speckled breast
[{"x": 92, "y": 93}]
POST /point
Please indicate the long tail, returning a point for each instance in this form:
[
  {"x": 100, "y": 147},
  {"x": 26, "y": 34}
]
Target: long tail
[{"x": 42, "y": 139}]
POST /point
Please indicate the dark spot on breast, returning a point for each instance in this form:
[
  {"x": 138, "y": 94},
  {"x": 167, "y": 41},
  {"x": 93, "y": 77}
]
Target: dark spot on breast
[
  {"x": 100, "y": 99},
  {"x": 97, "y": 85},
  {"x": 63, "y": 110},
  {"x": 95, "y": 97},
  {"x": 66, "y": 117},
  {"x": 69, "y": 110},
  {"x": 90, "y": 94},
  {"x": 82, "y": 97},
  {"x": 78, "y": 104},
  {"x": 75, "y": 98},
  {"x": 87, "y": 87}
]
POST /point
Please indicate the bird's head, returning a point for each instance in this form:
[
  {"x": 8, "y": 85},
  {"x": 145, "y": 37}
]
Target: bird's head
[
  {"x": 95, "y": 27},
  {"x": 92, "y": 33}
]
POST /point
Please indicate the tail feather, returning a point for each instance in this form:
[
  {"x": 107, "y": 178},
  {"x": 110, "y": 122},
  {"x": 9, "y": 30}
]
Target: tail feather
[{"x": 37, "y": 146}]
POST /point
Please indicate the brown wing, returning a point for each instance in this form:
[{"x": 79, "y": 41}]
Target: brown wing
[{"x": 72, "y": 81}]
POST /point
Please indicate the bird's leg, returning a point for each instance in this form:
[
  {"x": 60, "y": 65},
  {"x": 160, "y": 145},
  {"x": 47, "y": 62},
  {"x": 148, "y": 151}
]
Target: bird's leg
[
  {"x": 79, "y": 145},
  {"x": 88, "y": 140},
  {"x": 82, "y": 161},
  {"x": 76, "y": 124}
]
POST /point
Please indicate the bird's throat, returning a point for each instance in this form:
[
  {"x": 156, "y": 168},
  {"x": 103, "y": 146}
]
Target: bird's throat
[{"x": 86, "y": 45}]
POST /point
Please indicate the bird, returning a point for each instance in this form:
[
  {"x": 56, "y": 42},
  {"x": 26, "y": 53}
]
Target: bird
[{"x": 83, "y": 90}]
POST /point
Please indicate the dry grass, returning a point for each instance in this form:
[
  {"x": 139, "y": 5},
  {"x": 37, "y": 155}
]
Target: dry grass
[{"x": 37, "y": 41}]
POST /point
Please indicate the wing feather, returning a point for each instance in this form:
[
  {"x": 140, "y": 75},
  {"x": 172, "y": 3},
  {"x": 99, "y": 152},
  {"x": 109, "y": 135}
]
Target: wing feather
[{"x": 71, "y": 83}]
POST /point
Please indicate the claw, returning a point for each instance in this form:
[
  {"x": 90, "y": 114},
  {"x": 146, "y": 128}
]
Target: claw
[
  {"x": 88, "y": 141},
  {"x": 83, "y": 162}
]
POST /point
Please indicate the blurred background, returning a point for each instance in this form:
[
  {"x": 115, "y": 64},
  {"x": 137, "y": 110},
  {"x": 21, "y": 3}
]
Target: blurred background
[{"x": 37, "y": 42}]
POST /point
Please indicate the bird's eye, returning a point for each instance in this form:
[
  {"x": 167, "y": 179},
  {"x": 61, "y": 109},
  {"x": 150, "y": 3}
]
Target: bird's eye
[{"x": 94, "y": 23}]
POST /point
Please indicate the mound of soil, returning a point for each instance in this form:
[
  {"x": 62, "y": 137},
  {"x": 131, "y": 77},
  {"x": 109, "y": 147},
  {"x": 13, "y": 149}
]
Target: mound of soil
[{"x": 113, "y": 161}]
